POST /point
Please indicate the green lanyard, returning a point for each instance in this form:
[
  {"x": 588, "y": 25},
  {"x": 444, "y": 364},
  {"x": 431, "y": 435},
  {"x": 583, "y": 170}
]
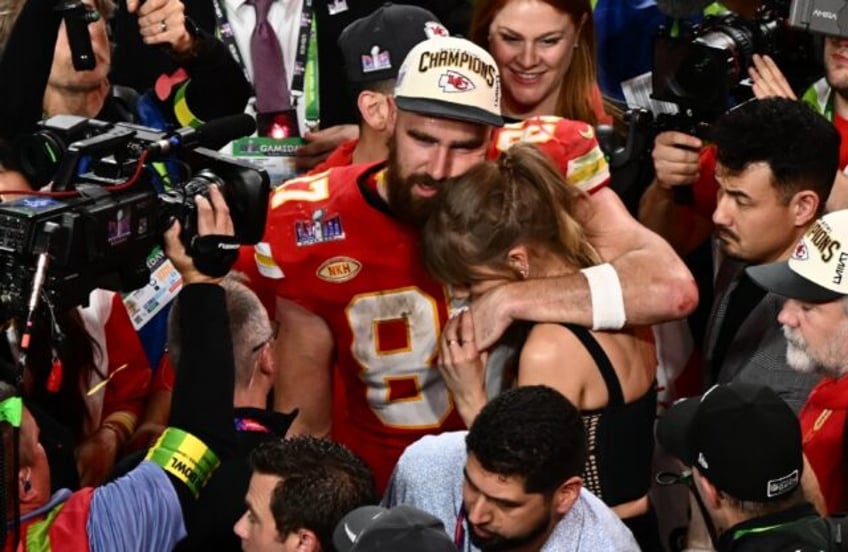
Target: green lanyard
[
  {"x": 313, "y": 104},
  {"x": 304, "y": 81}
]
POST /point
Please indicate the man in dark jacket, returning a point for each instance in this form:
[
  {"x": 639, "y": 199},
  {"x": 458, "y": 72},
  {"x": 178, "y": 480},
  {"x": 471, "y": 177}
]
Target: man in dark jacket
[
  {"x": 743, "y": 443},
  {"x": 137, "y": 66}
]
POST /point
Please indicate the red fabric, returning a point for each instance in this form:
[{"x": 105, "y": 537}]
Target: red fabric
[
  {"x": 571, "y": 145},
  {"x": 342, "y": 156},
  {"x": 822, "y": 425},
  {"x": 163, "y": 378},
  {"x": 127, "y": 388},
  {"x": 842, "y": 127},
  {"x": 706, "y": 187},
  {"x": 262, "y": 287},
  {"x": 364, "y": 276},
  {"x": 598, "y": 107},
  {"x": 68, "y": 532},
  {"x": 392, "y": 392}
]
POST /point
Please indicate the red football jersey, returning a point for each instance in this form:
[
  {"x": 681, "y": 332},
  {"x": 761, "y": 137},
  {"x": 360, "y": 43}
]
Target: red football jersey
[
  {"x": 333, "y": 251},
  {"x": 332, "y": 246},
  {"x": 572, "y": 146}
]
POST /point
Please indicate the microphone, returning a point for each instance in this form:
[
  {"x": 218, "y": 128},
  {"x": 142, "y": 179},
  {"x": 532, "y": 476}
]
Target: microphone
[
  {"x": 681, "y": 9},
  {"x": 77, "y": 18},
  {"x": 215, "y": 134}
]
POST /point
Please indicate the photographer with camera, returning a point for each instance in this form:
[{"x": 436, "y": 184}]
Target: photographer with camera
[
  {"x": 775, "y": 161},
  {"x": 685, "y": 161},
  {"x": 209, "y": 85},
  {"x": 42, "y": 78},
  {"x": 148, "y": 508}
]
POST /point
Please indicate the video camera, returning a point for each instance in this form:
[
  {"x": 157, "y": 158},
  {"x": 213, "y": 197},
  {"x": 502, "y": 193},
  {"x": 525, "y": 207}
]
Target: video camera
[
  {"x": 702, "y": 68},
  {"x": 108, "y": 209}
]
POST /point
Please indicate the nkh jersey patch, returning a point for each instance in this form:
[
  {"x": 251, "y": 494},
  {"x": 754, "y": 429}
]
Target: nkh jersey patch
[{"x": 339, "y": 270}]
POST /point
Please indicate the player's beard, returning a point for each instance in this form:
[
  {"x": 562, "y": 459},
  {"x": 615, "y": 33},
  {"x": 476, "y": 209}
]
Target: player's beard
[
  {"x": 828, "y": 362},
  {"x": 499, "y": 543},
  {"x": 406, "y": 206}
]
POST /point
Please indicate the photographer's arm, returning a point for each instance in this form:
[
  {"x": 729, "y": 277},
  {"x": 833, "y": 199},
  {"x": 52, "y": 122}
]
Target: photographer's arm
[
  {"x": 217, "y": 85},
  {"x": 303, "y": 357},
  {"x": 202, "y": 401},
  {"x": 656, "y": 285},
  {"x": 149, "y": 507},
  {"x": 25, "y": 66},
  {"x": 676, "y": 163},
  {"x": 768, "y": 80}
]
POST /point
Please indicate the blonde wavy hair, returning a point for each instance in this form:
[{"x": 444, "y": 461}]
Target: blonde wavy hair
[{"x": 522, "y": 199}]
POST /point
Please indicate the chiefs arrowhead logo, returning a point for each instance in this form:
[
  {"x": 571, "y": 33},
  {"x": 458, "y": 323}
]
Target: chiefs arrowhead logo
[
  {"x": 434, "y": 28},
  {"x": 588, "y": 134},
  {"x": 338, "y": 270},
  {"x": 454, "y": 81},
  {"x": 800, "y": 253}
]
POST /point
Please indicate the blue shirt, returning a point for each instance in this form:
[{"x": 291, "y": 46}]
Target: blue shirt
[{"x": 429, "y": 476}]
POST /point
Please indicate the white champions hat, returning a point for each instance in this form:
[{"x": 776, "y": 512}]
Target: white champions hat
[
  {"x": 817, "y": 271},
  {"x": 452, "y": 78}
]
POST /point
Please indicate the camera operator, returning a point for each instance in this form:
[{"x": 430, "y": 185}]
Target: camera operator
[
  {"x": 148, "y": 508},
  {"x": 88, "y": 377},
  {"x": 681, "y": 160},
  {"x": 775, "y": 163},
  {"x": 37, "y": 76}
]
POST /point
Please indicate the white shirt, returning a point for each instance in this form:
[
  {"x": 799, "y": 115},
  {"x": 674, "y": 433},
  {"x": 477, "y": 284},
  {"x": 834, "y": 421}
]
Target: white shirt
[{"x": 284, "y": 17}]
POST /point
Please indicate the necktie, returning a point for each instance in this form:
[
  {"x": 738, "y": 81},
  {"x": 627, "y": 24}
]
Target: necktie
[{"x": 269, "y": 72}]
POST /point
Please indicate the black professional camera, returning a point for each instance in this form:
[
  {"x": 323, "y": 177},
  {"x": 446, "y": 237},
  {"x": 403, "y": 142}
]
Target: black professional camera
[
  {"x": 702, "y": 67},
  {"x": 829, "y": 17},
  {"x": 107, "y": 209}
]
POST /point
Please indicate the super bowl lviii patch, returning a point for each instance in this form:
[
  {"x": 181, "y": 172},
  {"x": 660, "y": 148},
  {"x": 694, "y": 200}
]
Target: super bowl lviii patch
[
  {"x": 376, "y": 60},
  {"x": 321, "y": 228}
]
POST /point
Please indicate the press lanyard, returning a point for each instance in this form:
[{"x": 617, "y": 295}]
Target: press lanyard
[{"x": 305, "y": 76}]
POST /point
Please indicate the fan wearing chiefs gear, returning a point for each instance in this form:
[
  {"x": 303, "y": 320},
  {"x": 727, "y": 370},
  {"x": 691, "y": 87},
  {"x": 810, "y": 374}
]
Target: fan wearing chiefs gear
[{"x": 341, "y": 251}]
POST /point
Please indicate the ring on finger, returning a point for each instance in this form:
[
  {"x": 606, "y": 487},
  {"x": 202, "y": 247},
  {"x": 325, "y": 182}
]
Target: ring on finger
[
  {"x": 163, "y": 26},
  {"x": 453, "y": 341}
]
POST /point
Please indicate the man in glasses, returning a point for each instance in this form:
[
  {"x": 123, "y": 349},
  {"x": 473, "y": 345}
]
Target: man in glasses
[
  {"x": 253, "y": 332},
  {"x": 743, "y": 444}
]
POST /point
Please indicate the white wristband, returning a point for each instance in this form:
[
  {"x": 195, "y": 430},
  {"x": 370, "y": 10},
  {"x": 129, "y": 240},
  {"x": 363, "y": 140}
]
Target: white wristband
[{"x": 607, "y": 297}]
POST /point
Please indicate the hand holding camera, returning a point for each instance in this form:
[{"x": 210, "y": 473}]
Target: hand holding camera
[{"x": 213, "y": 250}]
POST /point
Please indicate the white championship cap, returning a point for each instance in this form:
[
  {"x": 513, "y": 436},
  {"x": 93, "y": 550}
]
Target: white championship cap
[
  {"x": 452, "y": 78},
  {"x": 817, "y": 271}
]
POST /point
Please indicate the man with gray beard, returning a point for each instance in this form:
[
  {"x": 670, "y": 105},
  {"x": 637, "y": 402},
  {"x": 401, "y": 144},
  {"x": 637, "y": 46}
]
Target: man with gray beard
[{"x": 815, "y": 321}]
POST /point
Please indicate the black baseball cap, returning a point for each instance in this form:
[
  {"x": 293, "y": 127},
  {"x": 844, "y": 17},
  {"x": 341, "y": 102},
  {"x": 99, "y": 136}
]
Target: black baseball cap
[
  {"x": 399, "y": 529},
  {"x": 375, "y": 46},
  {"x": 743, "y": 438}
]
